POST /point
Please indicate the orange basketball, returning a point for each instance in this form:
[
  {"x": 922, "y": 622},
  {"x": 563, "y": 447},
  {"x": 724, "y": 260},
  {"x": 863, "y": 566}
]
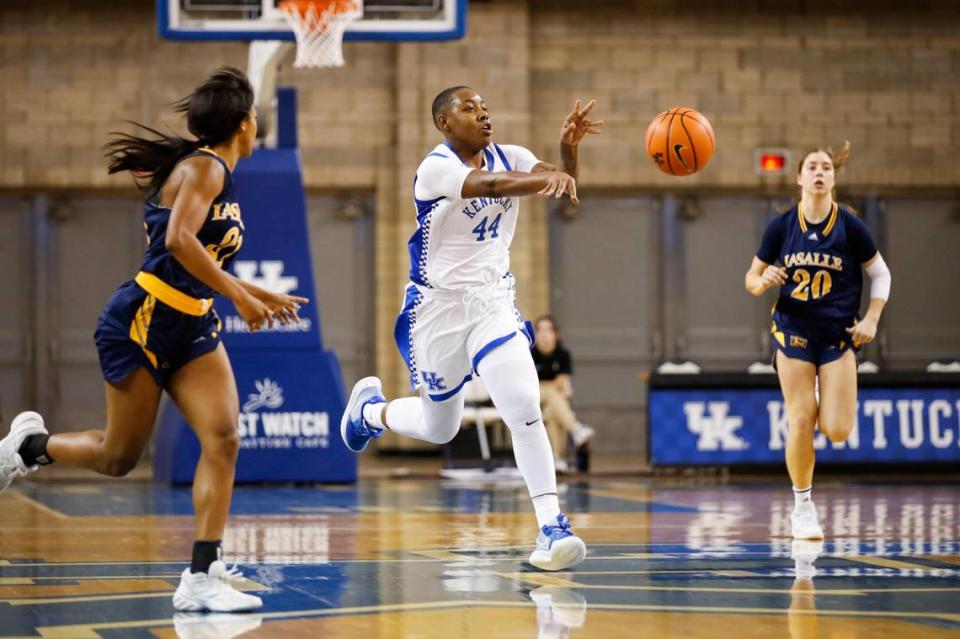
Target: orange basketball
[{"x": 680, "y": 141}]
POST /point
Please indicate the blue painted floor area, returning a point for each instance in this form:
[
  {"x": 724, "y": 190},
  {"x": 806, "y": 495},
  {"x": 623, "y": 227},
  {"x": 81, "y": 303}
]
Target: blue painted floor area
[{"x": 327, "y": 559}]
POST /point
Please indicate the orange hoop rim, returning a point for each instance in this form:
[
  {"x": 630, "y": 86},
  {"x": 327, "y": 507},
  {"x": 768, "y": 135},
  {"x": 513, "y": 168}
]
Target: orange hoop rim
[{"x": 334, "y": 7}]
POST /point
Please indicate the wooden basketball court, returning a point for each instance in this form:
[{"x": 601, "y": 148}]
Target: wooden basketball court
[{"x": 424, "y": 558}]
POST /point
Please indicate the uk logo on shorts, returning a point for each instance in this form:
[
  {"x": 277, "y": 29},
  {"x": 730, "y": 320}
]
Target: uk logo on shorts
[{"x": 433, "y": 381}]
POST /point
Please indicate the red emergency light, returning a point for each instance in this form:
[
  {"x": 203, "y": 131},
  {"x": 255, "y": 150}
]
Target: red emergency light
[{"x": 772, "y": 161}]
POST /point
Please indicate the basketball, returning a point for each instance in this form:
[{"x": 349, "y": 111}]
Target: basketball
[{"x": 680, "y": 141}]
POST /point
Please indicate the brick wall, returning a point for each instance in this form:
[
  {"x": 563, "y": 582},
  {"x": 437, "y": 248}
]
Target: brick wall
[{"x": 805, "y": 74}]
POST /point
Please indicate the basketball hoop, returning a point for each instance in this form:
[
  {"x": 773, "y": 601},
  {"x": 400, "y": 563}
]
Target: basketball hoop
[{"x": 318, "y": 26}]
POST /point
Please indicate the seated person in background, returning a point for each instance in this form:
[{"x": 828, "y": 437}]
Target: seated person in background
[{"x": 554, "y": 368}]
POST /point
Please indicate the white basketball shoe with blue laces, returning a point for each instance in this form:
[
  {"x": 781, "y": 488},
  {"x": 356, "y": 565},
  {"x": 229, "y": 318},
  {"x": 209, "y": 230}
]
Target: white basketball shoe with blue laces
[
  {"x": 354, "y": 430},
  {"x": 557, "y": 547}
]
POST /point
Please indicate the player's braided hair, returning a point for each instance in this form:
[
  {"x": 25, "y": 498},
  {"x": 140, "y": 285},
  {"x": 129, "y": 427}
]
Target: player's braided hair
[{"x": 214, "y": 112}]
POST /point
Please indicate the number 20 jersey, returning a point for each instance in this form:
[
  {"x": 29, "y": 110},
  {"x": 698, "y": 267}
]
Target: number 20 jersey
[
  {"x": 463, "y": 243},
  {"x": 823, "y": 263}
]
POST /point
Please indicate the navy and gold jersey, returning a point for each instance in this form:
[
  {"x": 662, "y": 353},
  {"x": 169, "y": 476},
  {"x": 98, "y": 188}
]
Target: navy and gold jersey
[
  {"x": 221, "y": 235},
  {"x": 163, "y": 319},
  {"x": 823, "y": 263}
]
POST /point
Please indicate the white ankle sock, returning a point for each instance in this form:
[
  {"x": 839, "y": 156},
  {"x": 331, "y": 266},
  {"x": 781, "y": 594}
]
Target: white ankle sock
[
  {"x": 547, "y": 507},
  {"x": 802, "y": 495},
  {"x": 373, "y": 414}
]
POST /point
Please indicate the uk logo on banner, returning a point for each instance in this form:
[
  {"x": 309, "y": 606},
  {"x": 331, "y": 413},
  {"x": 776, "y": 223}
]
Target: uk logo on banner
[
  {"x": 749, "y": 425},
  {"x": 715, "y": 426},
  {"x": 266, "y": 274}
]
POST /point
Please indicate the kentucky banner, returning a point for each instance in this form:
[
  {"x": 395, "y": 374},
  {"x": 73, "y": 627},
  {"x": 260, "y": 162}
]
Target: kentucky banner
[
  {"x": 700, "y": 426},
  {"x": 276, "y": 250}
]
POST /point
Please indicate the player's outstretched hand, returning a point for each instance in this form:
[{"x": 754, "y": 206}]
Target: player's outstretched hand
[
  {"x": 863, "y": 331},
  {"x": 774, "y": 275},
  {"x": 254, "y": 312},
  {"x": 558, "y": 185},
  {"x": 285, "y": 308},
  {"x": 577, "y": 125}
]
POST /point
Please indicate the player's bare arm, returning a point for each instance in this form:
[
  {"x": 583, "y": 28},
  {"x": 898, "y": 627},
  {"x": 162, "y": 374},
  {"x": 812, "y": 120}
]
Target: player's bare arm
[
  {"x": 511, "y": 183},
  {"x": 762, "y": 277}
]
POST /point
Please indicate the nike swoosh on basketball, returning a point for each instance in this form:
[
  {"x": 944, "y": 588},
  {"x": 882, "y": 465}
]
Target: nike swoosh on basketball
[{"x": 676, "y": 150}]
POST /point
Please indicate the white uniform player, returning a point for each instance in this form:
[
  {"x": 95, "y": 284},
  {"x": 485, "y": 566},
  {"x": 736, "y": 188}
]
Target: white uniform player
[
  {"x": 459, "y": 317},
  {"x": 459, "y": 305}
]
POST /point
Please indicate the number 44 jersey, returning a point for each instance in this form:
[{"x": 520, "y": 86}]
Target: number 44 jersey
[
  {"x": 823, "y": 262},
  {"x": 463, "y": 243}
]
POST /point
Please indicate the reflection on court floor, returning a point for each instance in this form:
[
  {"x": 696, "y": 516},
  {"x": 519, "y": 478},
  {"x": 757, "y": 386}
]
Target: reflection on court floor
[{"x": 429, "y": 559}]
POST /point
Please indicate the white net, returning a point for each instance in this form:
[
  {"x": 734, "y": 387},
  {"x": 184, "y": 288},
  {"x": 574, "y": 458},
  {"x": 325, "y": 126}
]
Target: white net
[{"x": 318, "y": 27}]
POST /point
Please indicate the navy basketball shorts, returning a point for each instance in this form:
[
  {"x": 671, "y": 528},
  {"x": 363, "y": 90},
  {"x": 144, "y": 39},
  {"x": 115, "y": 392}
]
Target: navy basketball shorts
[
  {"x": 816, "y": 341},
  {"x": 136, "y": 329}
]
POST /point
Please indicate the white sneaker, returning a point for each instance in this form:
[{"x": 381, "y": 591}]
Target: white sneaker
[
  {"x": 11, "y": 464},
  {"x": 561, "y": 466},
  {"x": 557, "y": 547},
  {"x": 213, "y": 591},
  {"x": 804, "y": 523},
  {"x": 196, "y": 625},
  {"x": 582, "y": 434}
]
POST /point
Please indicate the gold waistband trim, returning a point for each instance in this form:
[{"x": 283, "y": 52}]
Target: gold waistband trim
[{"x": 171, "y": 296}]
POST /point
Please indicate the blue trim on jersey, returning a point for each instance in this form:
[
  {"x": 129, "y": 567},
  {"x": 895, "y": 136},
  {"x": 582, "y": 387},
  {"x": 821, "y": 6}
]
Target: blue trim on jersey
[
  {"x": 487, "y": 155},
  {"x": 439, "y": 155},
  {"x": 503, "y": 158},
  {"x": 490, "y": 160},
  {"x": 420, "y": 239},
  {"x": 447, "y": 144}
]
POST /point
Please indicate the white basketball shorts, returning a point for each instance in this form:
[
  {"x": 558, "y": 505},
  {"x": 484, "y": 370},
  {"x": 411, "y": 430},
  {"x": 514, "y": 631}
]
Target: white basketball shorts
[{"x": 443, "y": 335}]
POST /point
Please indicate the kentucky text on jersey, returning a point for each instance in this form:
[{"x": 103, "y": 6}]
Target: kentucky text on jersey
[
  {"x": 463, "y": 242},
  {"x": 480, "y": 203}
]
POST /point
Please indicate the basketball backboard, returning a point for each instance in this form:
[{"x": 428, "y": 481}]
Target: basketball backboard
[{"x": 262, "y": 20}]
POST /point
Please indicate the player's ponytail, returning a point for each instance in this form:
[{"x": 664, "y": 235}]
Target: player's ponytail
[
  {"x": 214, "y": 112},
  {"x": 838, "y": 157}
]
